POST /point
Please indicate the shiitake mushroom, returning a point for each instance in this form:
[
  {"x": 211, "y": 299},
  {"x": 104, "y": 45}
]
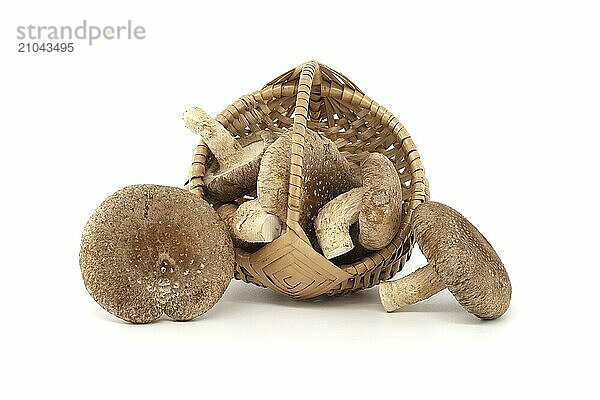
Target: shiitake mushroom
[{"x": 149, "y": 249}]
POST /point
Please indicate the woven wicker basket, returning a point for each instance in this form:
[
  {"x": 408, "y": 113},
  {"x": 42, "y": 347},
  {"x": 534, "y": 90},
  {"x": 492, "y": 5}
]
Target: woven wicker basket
[{"x": 315, "y": 96}]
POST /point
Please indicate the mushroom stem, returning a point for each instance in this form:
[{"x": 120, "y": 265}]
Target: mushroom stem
[
  {"x": 252, "y": 224},
  {"x": 332, "y": 225},
  {"x": 410, "y": 289},
  {"x": 222, "y": 145},
  {"x": 460, "y": 259}
]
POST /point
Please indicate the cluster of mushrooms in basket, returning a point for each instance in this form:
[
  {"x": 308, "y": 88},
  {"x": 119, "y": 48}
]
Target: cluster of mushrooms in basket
[
  {"x": 372, "y": 198},
  {"x": 284, "y": 208}
]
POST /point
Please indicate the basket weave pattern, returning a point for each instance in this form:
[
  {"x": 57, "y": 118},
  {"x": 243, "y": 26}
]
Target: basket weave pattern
[{"x": 315, "y": 96}]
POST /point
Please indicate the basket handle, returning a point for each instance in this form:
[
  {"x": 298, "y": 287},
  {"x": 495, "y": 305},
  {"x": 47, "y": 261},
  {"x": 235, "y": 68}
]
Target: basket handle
[
  {"x": 197, "y": 170},
  {"x": 298, "y": 131}
]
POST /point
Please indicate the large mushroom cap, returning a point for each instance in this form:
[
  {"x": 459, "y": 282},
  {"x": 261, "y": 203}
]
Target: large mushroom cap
[
  {"x": 325, "y": 175},
  {"x": 148, "y": 250},
  {"x": 463, "y": 258}
]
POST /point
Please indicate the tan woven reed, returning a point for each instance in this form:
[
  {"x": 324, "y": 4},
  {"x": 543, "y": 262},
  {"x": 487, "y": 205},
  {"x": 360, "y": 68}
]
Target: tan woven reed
[{"x": 315, "y": 96}]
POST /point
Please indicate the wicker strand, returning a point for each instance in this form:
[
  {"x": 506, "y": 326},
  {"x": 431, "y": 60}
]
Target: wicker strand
[{"x": 197, "y": 170}]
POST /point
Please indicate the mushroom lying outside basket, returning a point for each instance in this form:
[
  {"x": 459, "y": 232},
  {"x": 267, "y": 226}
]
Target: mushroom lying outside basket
[{"x": 314, "y": 96}]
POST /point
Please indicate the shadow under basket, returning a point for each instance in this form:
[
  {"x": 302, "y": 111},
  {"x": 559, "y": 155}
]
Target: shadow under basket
[{"x": 315, "y": 96}]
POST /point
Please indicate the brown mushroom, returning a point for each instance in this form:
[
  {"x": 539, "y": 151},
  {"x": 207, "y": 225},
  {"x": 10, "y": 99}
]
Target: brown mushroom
[
  {"x": 249, "y": 223},
  {"x": 148, "y": 250},
  {"x": 460, "y": 259},
  {"x": 326, "y": 175},
  {"x": 236, "y": 172},
  {"x": 332, "y": 225},
  {"x": 377, "y": 206},
  {"x": 227, "y": 214}
]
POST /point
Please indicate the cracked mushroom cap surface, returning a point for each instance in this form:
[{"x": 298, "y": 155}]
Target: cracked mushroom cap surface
[
  {"x": 463, "y": 259},
  {"x": 148, "y": 250}
]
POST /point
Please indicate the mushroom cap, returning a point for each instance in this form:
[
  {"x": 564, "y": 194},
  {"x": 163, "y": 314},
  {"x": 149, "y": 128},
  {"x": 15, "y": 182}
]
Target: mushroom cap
[
  {"x": 148, "y": 250},
  {"x": 326, "y": 175},
  {"x": 381, "y": 209},
  {"x": 239, "y": 178},
  {"x": 463, "y": 259}
]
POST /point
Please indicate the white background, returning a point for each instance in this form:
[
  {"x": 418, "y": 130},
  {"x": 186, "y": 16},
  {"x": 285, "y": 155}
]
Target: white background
[{"x": 501, "y": 99}]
